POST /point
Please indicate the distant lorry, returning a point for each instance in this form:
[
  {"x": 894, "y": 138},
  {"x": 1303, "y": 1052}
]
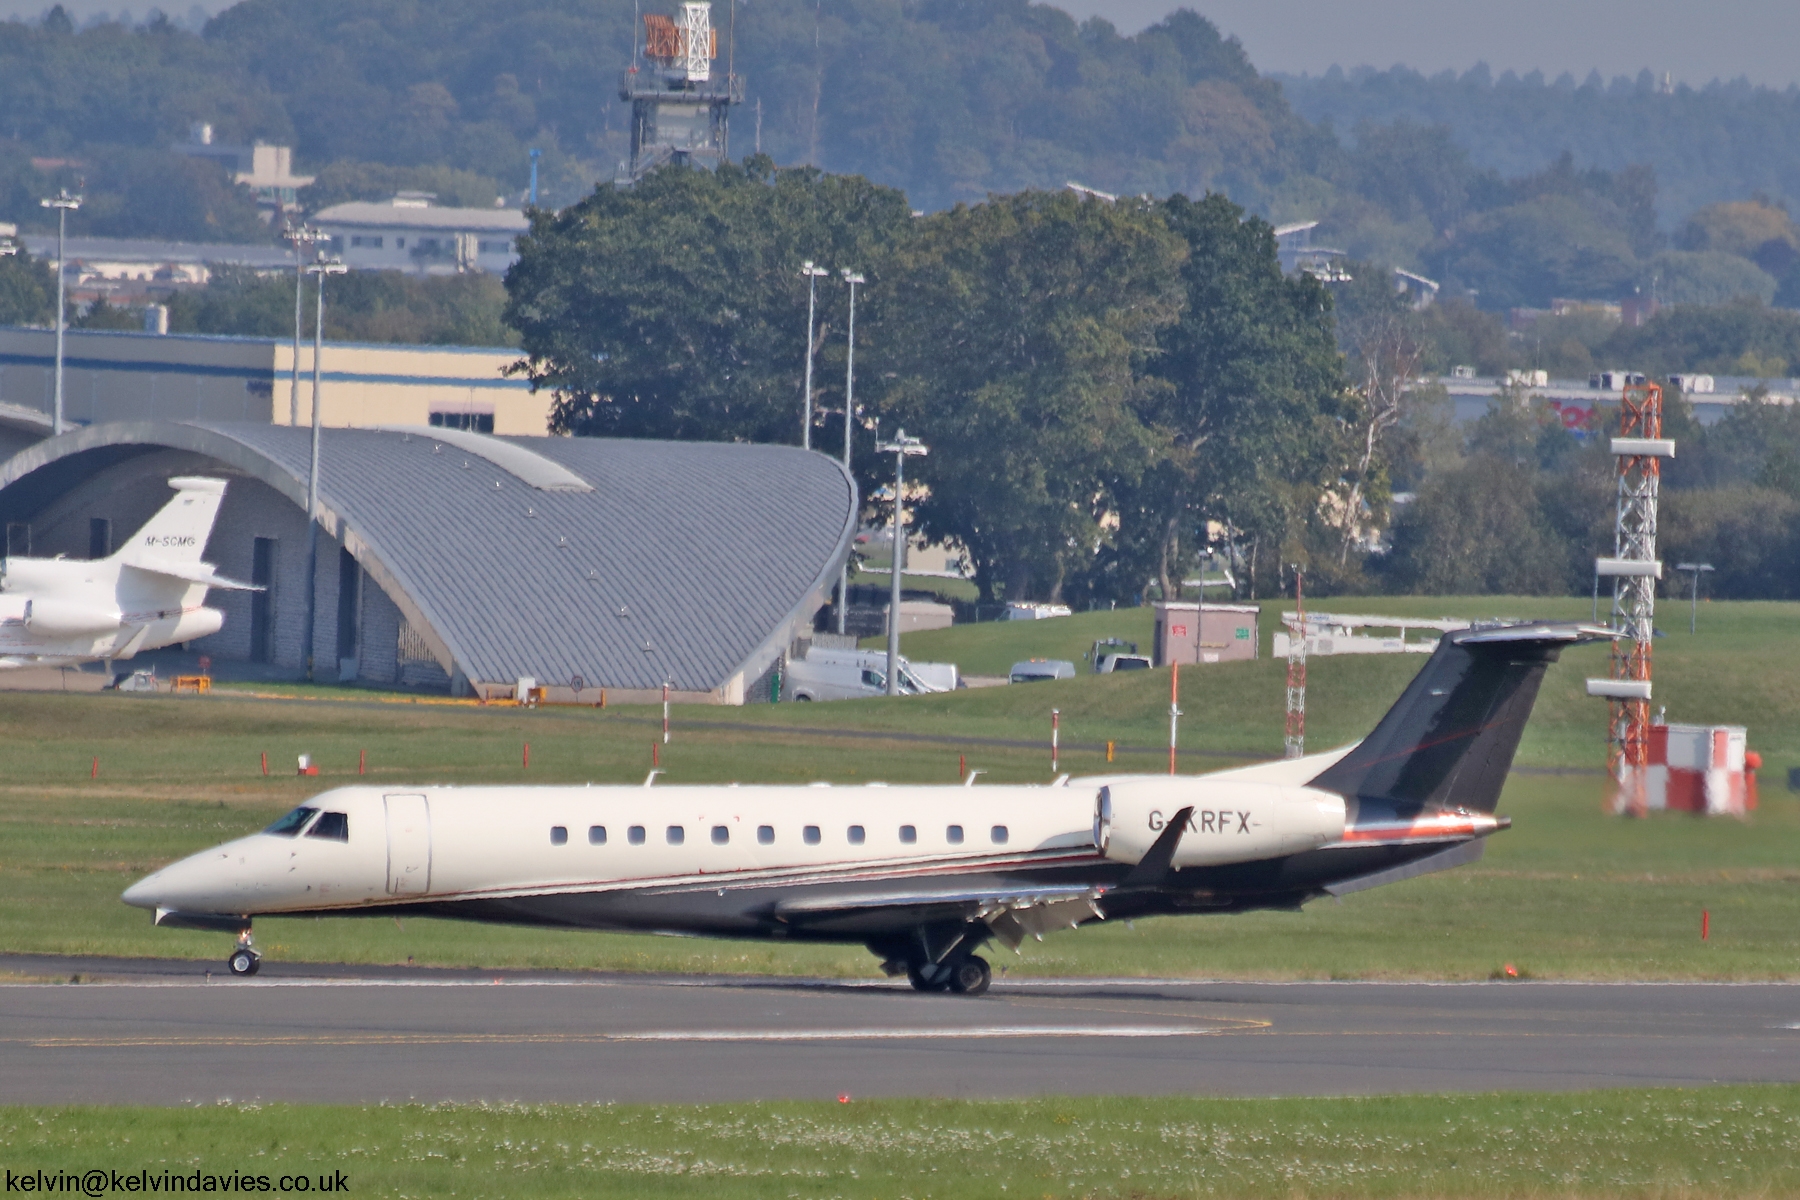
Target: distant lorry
[{"x": 851, "y": 674}]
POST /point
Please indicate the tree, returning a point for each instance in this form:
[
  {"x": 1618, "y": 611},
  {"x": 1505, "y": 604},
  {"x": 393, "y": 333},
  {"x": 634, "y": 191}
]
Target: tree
[
  {"x": 676, "y": 308},
  {"x": 1379, "y": 332},
  {"x": 27, "y": 290},
  {"x": 1018, "y": 335},
  {"x": 1252, "y": 384},
  {"x": 1477, "y": 529}
]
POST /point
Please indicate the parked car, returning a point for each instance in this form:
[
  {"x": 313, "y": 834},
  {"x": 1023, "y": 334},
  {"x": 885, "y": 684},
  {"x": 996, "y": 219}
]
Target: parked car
[{"x": 1038, "y": 669}]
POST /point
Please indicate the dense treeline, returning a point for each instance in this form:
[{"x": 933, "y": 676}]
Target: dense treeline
[
  {"x": 949, "y": 100},
  {"x": 1097, "y": 381},
  {"x": 1112, "y": 390},
  {"x": 1523, "y": 505},
  {"x": 1720, "y": 142}
]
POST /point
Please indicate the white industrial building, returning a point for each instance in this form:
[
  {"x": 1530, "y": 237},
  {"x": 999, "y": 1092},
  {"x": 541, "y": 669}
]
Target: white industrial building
[{"x": 411, "y": 233}]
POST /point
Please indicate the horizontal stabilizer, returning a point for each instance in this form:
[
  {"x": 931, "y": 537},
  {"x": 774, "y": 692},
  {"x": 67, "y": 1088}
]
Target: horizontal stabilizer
[
  {"x": 191, "y": 572},
  {"x": 1459, "y": 855}
]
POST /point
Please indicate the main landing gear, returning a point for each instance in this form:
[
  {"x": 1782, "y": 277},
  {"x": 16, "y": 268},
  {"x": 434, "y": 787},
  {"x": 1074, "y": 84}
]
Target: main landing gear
[
  {"x": 244, "y": 961},
  {"x": 940, "y": 959}
]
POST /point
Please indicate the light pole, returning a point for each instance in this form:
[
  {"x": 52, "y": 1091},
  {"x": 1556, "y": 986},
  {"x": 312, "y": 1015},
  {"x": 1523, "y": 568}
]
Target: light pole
[
  {"x": 1695, "y": 569},
  {"x": 535, "y": 155},
  {"x": 64, "y": 204},
  {"x": 852, "y": 278},
  {"x": 322, "y": 268},
  {"x": 812, "y": 274},
  {"x": 901, "y": 447},
  {"x": 301, "y": 236}
]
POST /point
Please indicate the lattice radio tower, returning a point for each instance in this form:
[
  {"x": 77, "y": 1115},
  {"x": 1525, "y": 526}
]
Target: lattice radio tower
[
  {"x": 1634, "y": 569},
  {"x": 1295, "y": 743}
]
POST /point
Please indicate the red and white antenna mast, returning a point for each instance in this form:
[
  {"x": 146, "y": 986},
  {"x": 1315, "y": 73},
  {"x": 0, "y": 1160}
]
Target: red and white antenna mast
[
  {"x": 1295, "y": 743},
  {"x": 1634, "y": 570}
]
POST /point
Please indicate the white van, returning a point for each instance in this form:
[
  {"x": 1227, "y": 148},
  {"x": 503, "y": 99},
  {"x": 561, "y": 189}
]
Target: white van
[{"x": 915, "y": 677}]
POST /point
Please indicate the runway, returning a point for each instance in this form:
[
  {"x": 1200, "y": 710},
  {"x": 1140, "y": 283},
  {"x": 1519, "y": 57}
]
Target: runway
[{"x": 163, "y": 1032}]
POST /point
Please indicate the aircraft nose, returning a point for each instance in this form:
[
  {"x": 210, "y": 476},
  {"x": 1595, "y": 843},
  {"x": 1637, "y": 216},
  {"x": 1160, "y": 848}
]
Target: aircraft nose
[{"x": 145, "y": 892}]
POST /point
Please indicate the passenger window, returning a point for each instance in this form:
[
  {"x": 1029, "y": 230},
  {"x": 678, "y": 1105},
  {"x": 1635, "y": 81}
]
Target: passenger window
[
  {"x": 292, "y": 823},
  {"x": 856, "y": 835},
  {"x": 720, "y": 835},
  {"x": 998, "y": 833},
  {"x": 953, "y": 835},
  {"x": 676, "y": 835},
  {"x": 635, "y": 835},
  {"x": 765, "y": 834},
  {"x": 335, "y": 826},
  {"x": 559, "y": 835},
  {"x": 810, "y": 835},
  {"x": 596, "y": 835},
  {"x": 908, "y": 835}
]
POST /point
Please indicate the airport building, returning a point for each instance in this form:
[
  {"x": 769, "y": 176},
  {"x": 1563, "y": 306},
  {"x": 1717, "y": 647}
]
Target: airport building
[
  {"x": 113, "y": 376},
  {"x": 464, "y": 562}
]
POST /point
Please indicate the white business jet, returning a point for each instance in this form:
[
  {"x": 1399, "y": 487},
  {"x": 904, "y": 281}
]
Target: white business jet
[
  {"x": 922, "y": 876},
  {"x": 57, "y": 612}
]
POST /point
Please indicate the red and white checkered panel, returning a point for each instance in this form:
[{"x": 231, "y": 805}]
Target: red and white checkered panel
[{"x": 1694, "y": 768}]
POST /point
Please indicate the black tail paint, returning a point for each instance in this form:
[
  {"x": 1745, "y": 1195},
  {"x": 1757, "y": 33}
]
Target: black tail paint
[{"x": 1448, "y": 742}]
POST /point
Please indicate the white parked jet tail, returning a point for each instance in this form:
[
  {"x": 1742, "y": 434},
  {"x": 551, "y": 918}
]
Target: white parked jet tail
[
  {"x": 172, "y": 542},
  {"x": 178, "y": 533}
]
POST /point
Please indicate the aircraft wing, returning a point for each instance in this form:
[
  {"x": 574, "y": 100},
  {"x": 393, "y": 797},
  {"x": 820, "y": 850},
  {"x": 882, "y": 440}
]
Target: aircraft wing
[
  {"x": 191, "y": 572},
  {"x": 1012, "y": 915}
]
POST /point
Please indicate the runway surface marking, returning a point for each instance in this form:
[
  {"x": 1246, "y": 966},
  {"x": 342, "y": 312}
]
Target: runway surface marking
[{"x": 650, "y": 1035}]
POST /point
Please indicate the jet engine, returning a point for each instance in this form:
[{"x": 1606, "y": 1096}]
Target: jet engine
[
  {"x": 50, "y": 617},
  {"x": 1231, "y": 822}
]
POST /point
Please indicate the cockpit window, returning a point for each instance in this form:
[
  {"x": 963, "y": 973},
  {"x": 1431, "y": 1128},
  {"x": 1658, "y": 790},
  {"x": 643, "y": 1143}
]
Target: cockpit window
[
  {"x": 335, "y": 826},
  {"x": 293, "y": 823}
]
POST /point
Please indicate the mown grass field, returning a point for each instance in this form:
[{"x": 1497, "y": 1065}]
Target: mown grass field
[
  {"x": 1666, "y": 1145},
  {"x": 1569, "y": 892}
]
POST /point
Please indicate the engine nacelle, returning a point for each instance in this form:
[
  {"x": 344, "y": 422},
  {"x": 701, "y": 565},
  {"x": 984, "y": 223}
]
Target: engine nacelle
[
  {"x": 50, "y": 617},
  {"x": 1232, "y": 821},
  {"x": 196, "y": 623}
]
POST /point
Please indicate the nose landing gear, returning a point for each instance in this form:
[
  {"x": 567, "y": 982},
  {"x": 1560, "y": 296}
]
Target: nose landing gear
[{"x": 244, "y": 961}]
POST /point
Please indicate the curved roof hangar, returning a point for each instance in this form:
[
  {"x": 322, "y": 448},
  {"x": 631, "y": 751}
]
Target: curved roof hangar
[{"x": 685, "y": 562}]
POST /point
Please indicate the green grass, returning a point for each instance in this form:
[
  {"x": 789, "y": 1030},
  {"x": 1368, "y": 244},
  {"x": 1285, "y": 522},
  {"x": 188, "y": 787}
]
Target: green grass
[
  {"x": 1569, "y": 892},
  {"x": 1664, "y": 1144}
]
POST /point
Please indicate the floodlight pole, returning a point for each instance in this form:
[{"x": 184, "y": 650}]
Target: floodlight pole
[
  {"x": 300, "y": 236},
  {"x": 900, "y": 448},
  {"x": 1695, "y": 570},
  {"x": 812, "y": 274},
  {"x": 852, "y": 278},
  {"x": 322, "y": 268},
  {"x": 64, "y": 204}
]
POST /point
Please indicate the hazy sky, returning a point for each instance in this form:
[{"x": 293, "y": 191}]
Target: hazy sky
[{"x": 1694, "y": 40}]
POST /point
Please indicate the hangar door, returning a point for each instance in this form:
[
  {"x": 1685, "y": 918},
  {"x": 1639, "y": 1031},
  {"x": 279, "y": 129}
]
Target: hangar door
[{"x": 409, "y": 845}]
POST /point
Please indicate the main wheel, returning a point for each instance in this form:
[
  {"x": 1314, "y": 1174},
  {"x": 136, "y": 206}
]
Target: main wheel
[
  {"x": 244, "y": 962},
  {"x": 915, "y": 975},
  {"x": 971, "y": 976}
]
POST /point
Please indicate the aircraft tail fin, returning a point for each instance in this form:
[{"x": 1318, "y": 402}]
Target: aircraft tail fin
[
  {"x": 178, "y": 532},
  {"x": 1449, "y": 740}
]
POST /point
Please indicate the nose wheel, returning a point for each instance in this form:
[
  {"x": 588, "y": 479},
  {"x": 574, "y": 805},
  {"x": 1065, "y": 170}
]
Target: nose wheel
[{"x": 244, "y": 961}]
